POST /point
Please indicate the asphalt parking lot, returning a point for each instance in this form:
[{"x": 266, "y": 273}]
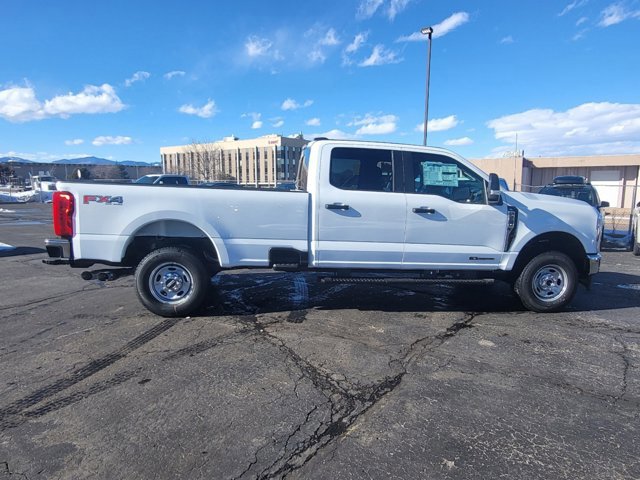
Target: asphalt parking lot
[{"x": 285, "y": 377}]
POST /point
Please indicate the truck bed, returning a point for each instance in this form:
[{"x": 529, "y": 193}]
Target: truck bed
[{"x": 248, "y": 223}]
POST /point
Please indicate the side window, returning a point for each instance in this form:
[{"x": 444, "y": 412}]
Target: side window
[
  {"x": 443, "y": 176},
  {"x": 366, "y": 169}
]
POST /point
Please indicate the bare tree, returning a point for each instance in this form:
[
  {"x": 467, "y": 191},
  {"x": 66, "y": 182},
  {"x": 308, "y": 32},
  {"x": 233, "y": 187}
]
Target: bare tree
[{"x": 205, "y": 161}]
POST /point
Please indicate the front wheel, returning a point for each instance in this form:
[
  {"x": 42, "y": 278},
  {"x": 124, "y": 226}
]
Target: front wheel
[
  {"x": 548, "y": 282},
  {"x": 172, "y": 282}
]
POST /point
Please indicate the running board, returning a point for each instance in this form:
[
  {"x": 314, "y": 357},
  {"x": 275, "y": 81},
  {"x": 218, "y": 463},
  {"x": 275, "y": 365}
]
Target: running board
[{"x": 476, "y": 281}]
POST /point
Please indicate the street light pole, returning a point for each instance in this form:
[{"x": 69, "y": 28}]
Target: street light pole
[{"x": 429, "y": 32}]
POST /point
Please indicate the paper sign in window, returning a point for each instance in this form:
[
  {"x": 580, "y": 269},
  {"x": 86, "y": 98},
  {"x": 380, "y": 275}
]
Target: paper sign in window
[{"x": 445, "y": 175}]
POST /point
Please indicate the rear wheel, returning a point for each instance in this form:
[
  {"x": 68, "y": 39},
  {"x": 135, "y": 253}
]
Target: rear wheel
[
  {"x": 548, "y": 282},
  {"x": 172, "y": 282},
  {"x": 636, "y": 247}
]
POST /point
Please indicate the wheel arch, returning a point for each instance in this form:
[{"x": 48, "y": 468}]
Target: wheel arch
[
  {"x": 553, "y": 241},
  {"x": 167, "y": 232}
]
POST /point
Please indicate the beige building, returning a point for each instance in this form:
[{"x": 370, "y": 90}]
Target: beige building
[
  {"x": 615, "y": 177},
  {"x": 262, "y": 161}
]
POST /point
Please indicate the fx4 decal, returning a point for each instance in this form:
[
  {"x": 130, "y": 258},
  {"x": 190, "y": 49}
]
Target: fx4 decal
[{"x": 103, "y": 199}]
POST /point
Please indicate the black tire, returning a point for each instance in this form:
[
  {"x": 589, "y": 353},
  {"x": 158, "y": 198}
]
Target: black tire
[
  {"x": 172, "y": 282},
  {"x": 547, "y": 283},
  {"x": 636, "y": 248}
]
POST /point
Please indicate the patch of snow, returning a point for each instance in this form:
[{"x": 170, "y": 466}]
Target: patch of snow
[
  {"x": 4, "y": 246},
  {"x": 26, "y": 197}
]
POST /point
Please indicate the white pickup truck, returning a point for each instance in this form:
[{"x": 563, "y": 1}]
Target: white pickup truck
[{"x": 360, "y": 210}]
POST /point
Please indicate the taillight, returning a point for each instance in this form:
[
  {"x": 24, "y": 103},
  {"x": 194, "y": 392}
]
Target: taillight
[{"x": 63, "y": 214}]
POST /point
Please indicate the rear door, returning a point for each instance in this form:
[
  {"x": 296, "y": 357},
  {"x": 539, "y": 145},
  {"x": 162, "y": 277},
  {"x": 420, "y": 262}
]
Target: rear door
[
  {"x": 360, "y": 215},
  {"x": 449, "y": 221}
]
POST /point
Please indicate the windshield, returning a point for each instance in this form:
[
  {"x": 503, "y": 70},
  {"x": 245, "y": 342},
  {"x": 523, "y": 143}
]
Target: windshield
[
  {"x": 146, "y": 179},
  {"x": 578, "y": 192}
]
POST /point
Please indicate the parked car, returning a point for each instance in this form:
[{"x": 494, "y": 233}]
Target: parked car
[
  {"x": 220, "y": 185},
  {"x": 576, "y": 187},
  {"x": 163, "y": 179}
]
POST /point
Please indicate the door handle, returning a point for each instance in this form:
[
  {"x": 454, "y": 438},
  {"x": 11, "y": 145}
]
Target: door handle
[
  {"x": 427, "y": 210},
  {"x": 336, "y": 206}
]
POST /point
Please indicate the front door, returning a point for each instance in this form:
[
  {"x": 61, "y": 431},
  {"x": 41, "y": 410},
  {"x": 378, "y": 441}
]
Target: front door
[{"x": 449, "y": 221}]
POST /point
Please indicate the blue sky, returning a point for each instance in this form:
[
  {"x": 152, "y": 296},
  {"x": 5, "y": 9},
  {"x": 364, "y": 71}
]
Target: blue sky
[{"x": 120, "y": 79}]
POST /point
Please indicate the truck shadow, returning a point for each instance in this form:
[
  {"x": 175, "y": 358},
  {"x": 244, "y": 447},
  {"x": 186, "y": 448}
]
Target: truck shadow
[
  {"x": 17, "y": 251},
  {"x": 250, "y": 294}
]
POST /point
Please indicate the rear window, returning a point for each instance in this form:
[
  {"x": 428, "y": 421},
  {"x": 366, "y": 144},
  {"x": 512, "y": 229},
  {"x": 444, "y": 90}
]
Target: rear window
[{"x": 365, "y": 169}]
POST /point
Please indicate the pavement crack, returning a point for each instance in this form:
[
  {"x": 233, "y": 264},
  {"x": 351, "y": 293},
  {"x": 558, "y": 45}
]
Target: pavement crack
[
  {"x": 625, "y": 369},
  {"x": 346, "y": 402},
  {"x": 21, "y": 405}
]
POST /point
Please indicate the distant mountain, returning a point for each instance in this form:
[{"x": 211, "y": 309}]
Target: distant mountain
[
  {"x": 14, "y": 159},
  {"x": 85, "y": 161}
]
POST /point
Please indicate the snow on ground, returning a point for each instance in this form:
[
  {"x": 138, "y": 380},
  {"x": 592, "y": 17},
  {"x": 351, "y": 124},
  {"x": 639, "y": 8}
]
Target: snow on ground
[
  {"x": 24, "y": 197},
  {"x": 4, "y": 246},
  {"x": 4, "y": 210}
]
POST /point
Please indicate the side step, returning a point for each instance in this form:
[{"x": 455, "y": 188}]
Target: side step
[{"x": 401, "y": 280}]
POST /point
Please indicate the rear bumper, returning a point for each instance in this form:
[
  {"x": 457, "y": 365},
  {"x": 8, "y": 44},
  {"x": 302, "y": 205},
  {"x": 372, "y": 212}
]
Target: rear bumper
[
  {"x": 59, "y": 251},
  {"x": 593, "y": 263}
]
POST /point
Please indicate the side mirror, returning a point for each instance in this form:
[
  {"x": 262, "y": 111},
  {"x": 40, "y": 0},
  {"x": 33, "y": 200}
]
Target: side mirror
[
  {"x": 604, "y": 204},
  {"x": 494, "y": 189}
]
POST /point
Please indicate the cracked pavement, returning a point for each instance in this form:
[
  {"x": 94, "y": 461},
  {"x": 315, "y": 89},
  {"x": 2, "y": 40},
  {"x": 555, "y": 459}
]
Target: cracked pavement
[{"x": 285, "y": 377}]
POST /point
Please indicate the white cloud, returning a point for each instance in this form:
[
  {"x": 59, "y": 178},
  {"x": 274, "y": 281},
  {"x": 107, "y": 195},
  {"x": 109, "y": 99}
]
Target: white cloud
[
  {"x": 507, "y": 40},
  {"x": 256, "y": 119},
  {"x": 439, "y": 30},
  {"x": 581, "y": 20},
  {"x": 277, "y": 122},
  {"x": 395, "y": 7},
  {"x": 380, "y": 56},
  {"x": 174, "y": 73},
  {"x": 313, "y": 122},
  {"x": 439, "y": 124},
  {"x": 257, "y": 47},
  {"x": 573, "y": 5},
  {"x": 457, "y": 142},
  {"x": 368, "y": 8},
  {"x": 375, "y": 125},
  {"x": 358, "y": 41},
  {"x": 588, "y": 129},
  {"x": 206, "y": 111},
  {"x": 334, "y": 134},
  {"x": 109, "y": 140},
  {"x": 330, "y": 38},
  {"x": 19, "y": 104},
  {"x": 317, "y": 56},
  {"x": 317, "y": 42},
  {"x": 137, "y": 77},
  {"x": 291, "y": 104},
  {"x": 580, "y": 35},
  {"x": 75, "y": 141},
  {"x": 616, "y": 13}
]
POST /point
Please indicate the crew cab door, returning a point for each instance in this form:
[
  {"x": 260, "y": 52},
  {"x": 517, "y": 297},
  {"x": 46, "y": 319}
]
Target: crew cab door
[
  {"x": 449, "y": 221},
  {"x": 360, "y": 218}
]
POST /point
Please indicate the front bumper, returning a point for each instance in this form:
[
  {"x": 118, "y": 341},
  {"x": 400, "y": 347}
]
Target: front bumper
[{"x": 593, "y": 263}]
